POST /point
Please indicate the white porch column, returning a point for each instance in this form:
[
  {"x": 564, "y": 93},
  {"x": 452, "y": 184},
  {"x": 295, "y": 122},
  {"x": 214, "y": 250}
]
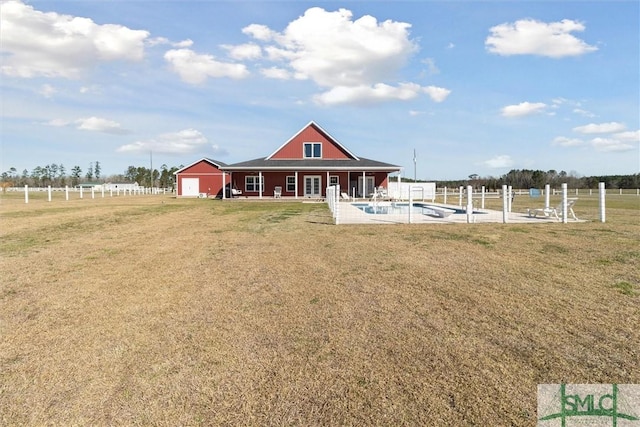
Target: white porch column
[
  {"x": 364, "y": 184},
  {"x": 260, "y": 184},
  {"x": 295, "y": 174}
]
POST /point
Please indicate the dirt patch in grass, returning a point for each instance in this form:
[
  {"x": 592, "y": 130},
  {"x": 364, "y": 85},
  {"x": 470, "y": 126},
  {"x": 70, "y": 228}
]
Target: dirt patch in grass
[{"x": 160, "y": 311}]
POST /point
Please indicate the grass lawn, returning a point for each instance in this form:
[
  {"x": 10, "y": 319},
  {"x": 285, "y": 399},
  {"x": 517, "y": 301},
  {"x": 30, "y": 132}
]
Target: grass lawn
[{"x": 151, "y": 310}]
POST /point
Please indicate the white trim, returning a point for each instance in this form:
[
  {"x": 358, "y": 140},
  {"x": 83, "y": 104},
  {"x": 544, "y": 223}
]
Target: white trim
[
  {"x": 312, "y": 194},
  {"x": 287, "y": 183},
  {"x": 313, "y": 150},
  {"x": 256, "y": 181},
  {"x": 205, "y": 159}
]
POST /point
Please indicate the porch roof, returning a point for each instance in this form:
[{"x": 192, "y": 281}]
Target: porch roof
[{"x": 264, "y": 164}]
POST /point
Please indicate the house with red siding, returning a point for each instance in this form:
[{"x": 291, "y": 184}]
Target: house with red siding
[
  {"x": 203, "y": 178},
  {"x": 302, "y": 167}
]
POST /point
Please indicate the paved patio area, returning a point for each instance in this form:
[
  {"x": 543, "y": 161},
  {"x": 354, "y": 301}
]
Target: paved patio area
[{"x": 350, "y": 214}]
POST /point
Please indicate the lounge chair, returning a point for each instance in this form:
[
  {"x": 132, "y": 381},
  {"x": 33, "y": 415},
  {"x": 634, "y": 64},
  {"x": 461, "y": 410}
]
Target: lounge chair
[
  {"x": 345, "y": 196},
  {"x": 554, "y": 212},
  {"x": 277, "y": 192}
]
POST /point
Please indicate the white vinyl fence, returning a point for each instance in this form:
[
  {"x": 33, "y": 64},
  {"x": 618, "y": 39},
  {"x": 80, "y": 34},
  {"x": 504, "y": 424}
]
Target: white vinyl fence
[{"x": 462, "y": 205}]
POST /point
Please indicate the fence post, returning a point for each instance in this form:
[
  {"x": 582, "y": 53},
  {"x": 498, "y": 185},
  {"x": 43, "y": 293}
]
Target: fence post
[
  {"x": 547, "y": 191},
  {"x": 102, "y": 187},
  {"x": 411, "y": 201},
  {"x": 81, "y": 191},
  {"x": 66, "y": 192},
  {"x": 510, "y": 198},
  {"x": 26, "y": 194},
  {"x": 601, "y": 203},
  {"x": 460, "y": 196},
  {"x": 482, "y": 198},
  {"x": 93, "y": 193},
  {"x": 505, "y": 214},
  {"x": 445, "y": 195},
  {"x": 564, "y": 202},
  {"x": 336, "y": 203},
  {"x": 469, "y": 204},
  {"x": 49, "y": 193}
]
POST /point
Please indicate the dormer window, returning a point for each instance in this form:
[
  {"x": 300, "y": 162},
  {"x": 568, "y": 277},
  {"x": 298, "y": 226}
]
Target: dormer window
[{"x": 312, "y": 150}]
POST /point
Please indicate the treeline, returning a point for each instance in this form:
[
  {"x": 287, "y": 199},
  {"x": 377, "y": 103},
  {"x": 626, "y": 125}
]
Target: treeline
[
  {"x": 56, "y": 175},
  {"x": 525, "y": 178}
]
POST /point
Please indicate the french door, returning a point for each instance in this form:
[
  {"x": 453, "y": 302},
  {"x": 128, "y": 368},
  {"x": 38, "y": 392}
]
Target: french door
[
  {"x": 370, "y": 186},
  {"x": 313, "y": 186}
]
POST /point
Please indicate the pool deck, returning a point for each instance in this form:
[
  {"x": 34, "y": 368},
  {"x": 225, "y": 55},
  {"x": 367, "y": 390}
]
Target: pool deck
[{"x": 349, "y": 214}]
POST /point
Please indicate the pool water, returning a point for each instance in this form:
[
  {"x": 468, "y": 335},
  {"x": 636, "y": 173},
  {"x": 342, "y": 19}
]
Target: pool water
[{"x": 403, "y": 209}]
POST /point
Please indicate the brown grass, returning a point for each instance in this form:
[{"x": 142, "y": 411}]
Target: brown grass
[{"x": 155, "y": 311}]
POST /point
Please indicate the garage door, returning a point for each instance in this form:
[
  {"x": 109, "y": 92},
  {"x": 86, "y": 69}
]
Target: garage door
[{"x": 190, "y": 186}]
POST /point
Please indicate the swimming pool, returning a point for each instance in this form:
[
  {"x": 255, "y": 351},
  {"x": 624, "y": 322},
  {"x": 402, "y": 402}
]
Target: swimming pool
[{"x": 392, "y": 208}]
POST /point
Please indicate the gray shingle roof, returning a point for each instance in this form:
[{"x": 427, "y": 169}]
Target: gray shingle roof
[{"x": 311, "y": 164}]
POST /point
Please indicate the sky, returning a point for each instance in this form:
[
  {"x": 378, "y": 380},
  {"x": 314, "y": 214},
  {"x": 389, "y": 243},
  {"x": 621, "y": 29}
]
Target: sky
[{"x": 470, "y": 87}]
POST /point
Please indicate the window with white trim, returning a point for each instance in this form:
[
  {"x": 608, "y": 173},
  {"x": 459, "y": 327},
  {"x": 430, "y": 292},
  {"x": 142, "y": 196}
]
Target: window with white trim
[
  {"x": 334, "y": 180},
  {"x": 291, "y": 184},
  {"x": 251, "y": 184},
  {"x": 312, "y": 150}
]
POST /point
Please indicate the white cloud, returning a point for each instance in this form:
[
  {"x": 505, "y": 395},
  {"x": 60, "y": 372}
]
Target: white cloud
[
  {"x": 523, "y": 109},
  {"x": 611, "y": 144},
  {"x": 184, "y": 141},
  {"x": 48, "y": 91},
  {"x": 250, "y": 51},
  {"x": 259, "y": 32},
  {"x": 195, "y": 68},
  {"x": 531, "y": 37},
  {"x": 437, "y": 94},
  {"x": 97, "y": 124},
  {"x": 431, "y": 66},
  {"x": 333, "y": 50},
  {"x": 592, "y": 128},
  {"x": 58, "y": 123},
  {"x": 158, "y": 41},
  {"x": 567, "y": 142},
  {"x": 498, "y": 162},
  {"x": 356, "y": 61},
  {"x": 631, "y": 136},
  {"x": 54, "y": 45},
  {"x": 276, "y": 73},
  {"x": 583, "y": 113},
  {"x": 378, "y": 93},
  {"x": 93, "y": 89}
]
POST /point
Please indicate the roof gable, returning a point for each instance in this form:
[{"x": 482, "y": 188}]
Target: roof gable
[
  {"x": 207, "y": 161},
  {"x": 312, "y": 133}
]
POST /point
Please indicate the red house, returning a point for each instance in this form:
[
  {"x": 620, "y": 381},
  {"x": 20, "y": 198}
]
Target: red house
[
  {"x": 302, "y": 167},
  {"x": 204, "y": 177}
]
